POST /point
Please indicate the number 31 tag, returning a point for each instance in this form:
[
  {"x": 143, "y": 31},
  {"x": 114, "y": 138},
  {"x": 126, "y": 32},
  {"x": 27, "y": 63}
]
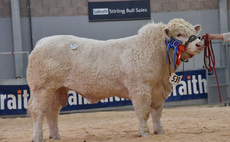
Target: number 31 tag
[{"x": 175, "y": 79}]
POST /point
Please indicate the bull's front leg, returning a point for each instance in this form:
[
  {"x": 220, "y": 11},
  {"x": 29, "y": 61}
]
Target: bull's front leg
[
  {"x": 141, "y": 99},
  {"x": 156, "y": 113}
]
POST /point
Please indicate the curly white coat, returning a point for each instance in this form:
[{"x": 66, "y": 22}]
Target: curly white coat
[{"x": 134, "y": 68}]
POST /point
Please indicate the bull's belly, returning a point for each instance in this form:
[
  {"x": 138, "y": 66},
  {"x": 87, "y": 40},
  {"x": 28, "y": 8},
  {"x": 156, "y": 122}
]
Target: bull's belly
[{"x": 94, "y": 92}]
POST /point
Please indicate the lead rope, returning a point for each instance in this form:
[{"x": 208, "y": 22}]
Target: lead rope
[{"x": 209, "y": 55}]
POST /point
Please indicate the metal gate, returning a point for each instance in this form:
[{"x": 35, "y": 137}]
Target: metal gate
[{"x": 223, "y": 73}]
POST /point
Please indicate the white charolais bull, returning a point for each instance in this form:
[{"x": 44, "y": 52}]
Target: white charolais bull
[{"x": 134, "y": 68}]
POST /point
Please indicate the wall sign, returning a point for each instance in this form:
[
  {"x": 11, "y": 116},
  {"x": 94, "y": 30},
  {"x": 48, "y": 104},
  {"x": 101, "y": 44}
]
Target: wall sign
[
  {"x": 106, "y": 10},
  {"x": 192, "y": 86}
]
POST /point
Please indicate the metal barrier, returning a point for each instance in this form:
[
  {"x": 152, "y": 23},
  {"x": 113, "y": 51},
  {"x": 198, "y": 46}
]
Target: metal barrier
[
  {"x": 223, "y": 72},
  {"x": 20, "y": 62},
  {"x": 19, "y": 52}
]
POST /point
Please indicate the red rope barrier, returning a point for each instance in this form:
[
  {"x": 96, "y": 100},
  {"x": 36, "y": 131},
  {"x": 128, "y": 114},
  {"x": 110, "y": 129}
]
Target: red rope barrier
[{"x": 210, "y": 57}]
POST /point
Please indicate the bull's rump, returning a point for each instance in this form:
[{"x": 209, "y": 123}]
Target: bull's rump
[{"x": 95, "y": 68}]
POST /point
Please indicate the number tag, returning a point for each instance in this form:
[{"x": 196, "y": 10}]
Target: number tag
[{"x": 175, "y": 79}]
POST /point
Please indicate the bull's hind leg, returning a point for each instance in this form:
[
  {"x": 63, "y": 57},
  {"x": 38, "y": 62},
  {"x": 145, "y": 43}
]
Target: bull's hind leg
[
  {"x": 141, "y": 99},
  {"x": 57, "y": 100},
  {"x": 38, "y": 107},
  {"x": 156, "y": 116}
]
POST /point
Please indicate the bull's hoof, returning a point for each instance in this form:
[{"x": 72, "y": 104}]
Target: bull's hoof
[
  {"x": 144, "y": 135},
  {"x": 55, "y": 137},
  {"x": 144, "y": 131},
  {"x": 159, "y": 132},
  {"x": 37, "y": 140}
]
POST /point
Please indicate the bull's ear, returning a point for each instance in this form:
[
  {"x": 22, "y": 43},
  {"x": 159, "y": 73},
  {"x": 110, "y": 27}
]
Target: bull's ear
[
  {"x": 197, "y": 28},
  {"x": 166, "y": 32}
]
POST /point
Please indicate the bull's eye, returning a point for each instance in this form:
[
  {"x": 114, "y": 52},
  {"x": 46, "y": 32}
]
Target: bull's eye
[{"x": 178, "y": 35}]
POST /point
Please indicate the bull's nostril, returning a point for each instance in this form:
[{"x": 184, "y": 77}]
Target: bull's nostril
[{"x": 197, "y": 45}]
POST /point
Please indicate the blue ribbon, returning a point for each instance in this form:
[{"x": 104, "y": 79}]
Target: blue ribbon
[{"x": 172, "y": 43}]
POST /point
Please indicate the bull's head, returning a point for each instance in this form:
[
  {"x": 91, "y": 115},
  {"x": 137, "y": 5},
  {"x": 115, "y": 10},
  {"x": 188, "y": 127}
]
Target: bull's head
[{"x": 185, "y": 32}]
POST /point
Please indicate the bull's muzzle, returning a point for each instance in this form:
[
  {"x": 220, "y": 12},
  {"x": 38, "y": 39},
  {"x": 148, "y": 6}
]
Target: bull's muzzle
[{"x": 200, "y": 45}]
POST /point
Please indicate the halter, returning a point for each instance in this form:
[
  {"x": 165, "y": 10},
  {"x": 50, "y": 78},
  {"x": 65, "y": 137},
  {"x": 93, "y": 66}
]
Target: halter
[{"x": 179, "y": 48}]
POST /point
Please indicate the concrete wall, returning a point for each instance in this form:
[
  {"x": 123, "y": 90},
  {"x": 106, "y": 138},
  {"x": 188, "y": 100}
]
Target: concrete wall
[
  {"x": 44, "y": 8},
  {"x": 69, "y": 17}
]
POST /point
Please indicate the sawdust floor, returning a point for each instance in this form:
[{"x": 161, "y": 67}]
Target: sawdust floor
[{"x": 181, "y": 124}]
